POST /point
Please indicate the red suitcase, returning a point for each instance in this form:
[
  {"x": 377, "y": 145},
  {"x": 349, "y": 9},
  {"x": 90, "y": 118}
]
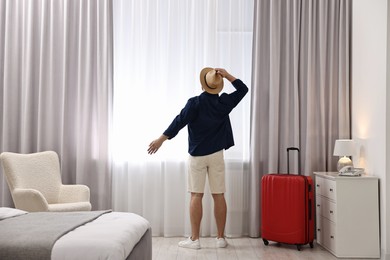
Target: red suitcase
[{"x": 287, "y": 207}]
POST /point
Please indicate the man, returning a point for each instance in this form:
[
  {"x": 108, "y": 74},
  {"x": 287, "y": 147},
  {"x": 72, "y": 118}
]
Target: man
[{"x": 210, "y": 132}]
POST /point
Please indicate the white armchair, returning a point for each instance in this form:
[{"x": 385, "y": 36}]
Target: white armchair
[{"x": 35, "y": 183}]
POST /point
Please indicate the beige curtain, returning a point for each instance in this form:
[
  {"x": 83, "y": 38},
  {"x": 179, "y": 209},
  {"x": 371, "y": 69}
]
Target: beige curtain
[
  {"x": 55, "y": 87},
  {"x": 301, "y": 88}
]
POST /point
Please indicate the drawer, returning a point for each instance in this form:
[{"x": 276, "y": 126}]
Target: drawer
[
  {"x": 329, "y": 237},
  {"x": 319, "y": 184},
  {"x": 326, "y": 208},
  {"x": 319, "y": 229},
  {"x": 328, "y": 189},
  {"x": 319, "y": 205}
]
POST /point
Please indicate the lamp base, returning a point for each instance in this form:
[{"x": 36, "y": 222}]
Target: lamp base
[{"x": 344, "y": 161}]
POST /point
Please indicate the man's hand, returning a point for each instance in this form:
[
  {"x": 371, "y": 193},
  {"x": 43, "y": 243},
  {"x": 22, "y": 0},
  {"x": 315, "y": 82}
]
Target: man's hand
[
  {"x": 225, "y": 74},
  {"x": 156, "y": 144}
]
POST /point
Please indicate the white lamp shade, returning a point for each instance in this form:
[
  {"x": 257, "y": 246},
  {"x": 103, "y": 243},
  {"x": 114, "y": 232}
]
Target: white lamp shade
[{"x": 344, "y": 147}]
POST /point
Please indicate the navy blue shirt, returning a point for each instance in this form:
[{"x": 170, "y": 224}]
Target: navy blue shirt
[{"x": 207, "y": 117}]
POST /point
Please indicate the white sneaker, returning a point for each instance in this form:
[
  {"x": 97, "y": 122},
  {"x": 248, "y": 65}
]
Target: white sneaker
[
  {"x": 221, "y": 242},
  {"x": 189, "y": 243}
]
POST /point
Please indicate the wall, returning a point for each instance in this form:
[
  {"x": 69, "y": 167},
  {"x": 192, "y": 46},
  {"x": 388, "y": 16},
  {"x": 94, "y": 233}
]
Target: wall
[{"x": 369, "y": 96}]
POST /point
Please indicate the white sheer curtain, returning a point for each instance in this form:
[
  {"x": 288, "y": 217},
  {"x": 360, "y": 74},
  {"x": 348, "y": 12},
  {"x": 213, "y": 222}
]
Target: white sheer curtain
[
  {"x": 55, "y": 87},
  {"x": 160, "y": 46}
]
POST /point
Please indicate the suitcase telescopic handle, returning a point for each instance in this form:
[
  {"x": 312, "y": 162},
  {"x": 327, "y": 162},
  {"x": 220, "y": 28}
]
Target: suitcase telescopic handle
[{"x": 288, "y": 159}]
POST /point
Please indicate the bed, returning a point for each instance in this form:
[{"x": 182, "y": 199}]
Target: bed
[{"x": 74, "y": 235}]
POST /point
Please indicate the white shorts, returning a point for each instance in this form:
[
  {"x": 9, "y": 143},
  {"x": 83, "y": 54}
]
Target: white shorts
[{"x": 212, "y": 165}]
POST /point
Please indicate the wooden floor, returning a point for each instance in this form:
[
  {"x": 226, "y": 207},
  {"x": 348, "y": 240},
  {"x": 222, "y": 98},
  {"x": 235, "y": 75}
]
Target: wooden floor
[{"x": 238, "y": 249}]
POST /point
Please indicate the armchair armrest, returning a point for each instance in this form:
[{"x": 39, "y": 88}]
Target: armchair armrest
[
  {"x": 29, "y": 200},
  {"x": 74, "y": 193}
]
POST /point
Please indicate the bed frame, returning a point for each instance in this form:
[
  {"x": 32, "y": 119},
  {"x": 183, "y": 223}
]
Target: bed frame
[{"x": 143, "y": 249}]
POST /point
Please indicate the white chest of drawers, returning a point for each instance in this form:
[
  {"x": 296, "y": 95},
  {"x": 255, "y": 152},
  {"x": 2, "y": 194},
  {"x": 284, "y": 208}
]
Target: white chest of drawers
[{"x": 347, "y": 215}]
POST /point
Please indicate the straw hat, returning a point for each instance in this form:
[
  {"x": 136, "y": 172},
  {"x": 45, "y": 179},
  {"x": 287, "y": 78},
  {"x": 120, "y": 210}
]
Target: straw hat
[{"x": 211, "y": 81}]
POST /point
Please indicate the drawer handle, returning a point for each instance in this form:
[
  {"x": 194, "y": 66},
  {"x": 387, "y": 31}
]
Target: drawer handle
[
  {"x": 318, "y": 205},
  {"x": 318, "y": 185},
  {"x": 319, "y": 229},
  {"x": 332, "y": 237},
  {"x": 331, "y": 189},
  {"x": 331, "y": 211}
]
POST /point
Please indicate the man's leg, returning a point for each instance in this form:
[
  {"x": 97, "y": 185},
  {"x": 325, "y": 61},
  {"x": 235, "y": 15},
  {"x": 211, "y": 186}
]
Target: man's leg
[
  {"x": 196, "y": 212},
  {"x": 220, "y": 210},
  {"x": 195, "y": 217}
]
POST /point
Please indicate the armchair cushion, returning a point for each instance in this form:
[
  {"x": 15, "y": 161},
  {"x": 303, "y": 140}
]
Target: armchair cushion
[
  {"x": 73, "y": 193},
  {"x": 75, "y": 206}
]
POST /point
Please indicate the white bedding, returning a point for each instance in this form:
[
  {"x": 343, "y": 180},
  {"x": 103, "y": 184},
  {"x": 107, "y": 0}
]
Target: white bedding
[
  {"x": 6, "y": 212},
  {"x": 111, "y": 236}
]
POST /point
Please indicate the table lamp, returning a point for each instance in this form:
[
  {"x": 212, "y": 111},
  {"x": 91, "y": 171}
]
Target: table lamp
[{"x": 344, "y": 148}]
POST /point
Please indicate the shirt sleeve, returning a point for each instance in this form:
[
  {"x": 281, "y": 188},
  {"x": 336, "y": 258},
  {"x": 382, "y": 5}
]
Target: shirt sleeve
[
  {"x": 235, "y": 97},
  {"x": 185, "y": 116}
]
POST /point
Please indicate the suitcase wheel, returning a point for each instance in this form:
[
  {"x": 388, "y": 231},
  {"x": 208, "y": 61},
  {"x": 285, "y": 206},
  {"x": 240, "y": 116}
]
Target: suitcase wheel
[
  {"x": 265, "y": 241},
  {"x": 299, "y": 247},
  {"x": 311, "y": 244}
]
